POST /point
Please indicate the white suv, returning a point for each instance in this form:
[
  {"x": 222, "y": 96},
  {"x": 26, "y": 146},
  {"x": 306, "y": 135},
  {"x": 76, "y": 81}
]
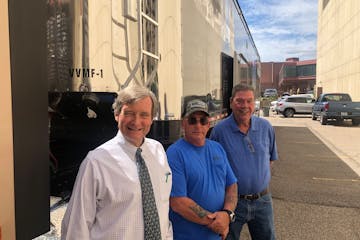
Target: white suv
[{"x": 295, "y": 104}]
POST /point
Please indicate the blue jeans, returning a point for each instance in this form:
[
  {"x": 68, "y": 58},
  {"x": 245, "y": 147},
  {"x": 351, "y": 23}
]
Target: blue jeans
[{"x": 258, "y": 214}]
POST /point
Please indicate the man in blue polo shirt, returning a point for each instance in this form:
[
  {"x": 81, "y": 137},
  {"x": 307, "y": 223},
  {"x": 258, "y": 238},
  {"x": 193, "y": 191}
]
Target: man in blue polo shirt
[
  {"x": 204, "y": 190},
  {"x": 249, "y": 142}
]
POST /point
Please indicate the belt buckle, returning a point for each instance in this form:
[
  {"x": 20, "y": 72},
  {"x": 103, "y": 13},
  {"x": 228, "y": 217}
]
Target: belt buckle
[
  {"x": 249, "y": 196},
  {"x": 252, "y": 196}
]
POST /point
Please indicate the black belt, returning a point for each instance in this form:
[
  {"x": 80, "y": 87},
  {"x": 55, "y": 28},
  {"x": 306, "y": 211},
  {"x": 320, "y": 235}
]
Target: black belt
[{"x": 254, "y": 196}]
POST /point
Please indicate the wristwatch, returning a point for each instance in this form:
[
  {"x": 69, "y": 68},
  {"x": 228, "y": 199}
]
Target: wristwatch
[{"x": 231, "y": 214}]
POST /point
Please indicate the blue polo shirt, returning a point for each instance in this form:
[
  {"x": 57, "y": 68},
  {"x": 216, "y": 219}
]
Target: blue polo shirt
[
  {"x": 202, "y": 174},
  {"x": 249, "y": 154}
]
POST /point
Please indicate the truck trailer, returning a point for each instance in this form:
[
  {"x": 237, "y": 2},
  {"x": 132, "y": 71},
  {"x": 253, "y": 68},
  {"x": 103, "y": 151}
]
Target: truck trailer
[
  {"x": 181, "y": 50},
  {"x": 63, "y": 62}
]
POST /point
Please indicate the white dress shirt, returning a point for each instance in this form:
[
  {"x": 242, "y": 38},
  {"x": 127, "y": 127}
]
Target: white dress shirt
[{"x": 106, "y": 200}]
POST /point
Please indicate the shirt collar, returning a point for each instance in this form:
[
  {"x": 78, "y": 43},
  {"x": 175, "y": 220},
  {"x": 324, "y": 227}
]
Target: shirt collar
[
  {"x": 121, "y": 140},
  {"x": 254, "y": 126}
]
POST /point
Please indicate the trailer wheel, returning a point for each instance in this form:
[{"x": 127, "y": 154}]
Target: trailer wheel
[
  {"x": 323, "y": 120},
  {"x": 313, "y": 116}
]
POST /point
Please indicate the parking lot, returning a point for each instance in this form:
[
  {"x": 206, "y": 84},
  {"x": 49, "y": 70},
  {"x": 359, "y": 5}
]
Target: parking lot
[{"x": 343, "y": 140}]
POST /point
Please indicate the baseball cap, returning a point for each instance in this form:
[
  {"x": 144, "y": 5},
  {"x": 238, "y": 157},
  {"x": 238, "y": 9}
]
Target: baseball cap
[{"x": 195, "y": 105}]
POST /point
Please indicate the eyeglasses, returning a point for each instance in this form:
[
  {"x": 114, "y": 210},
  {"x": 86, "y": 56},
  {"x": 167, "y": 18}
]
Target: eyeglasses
[
  {"x": 193, "y": 120},
  {"x": 249, "y": 144}
]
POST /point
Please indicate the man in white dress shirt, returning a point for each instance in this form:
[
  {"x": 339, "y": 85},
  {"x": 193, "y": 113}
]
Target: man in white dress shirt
[{"x": 106, "y": 201}]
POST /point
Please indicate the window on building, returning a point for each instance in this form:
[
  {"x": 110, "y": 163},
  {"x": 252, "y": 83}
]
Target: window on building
[
  {"x": 306, "y": 70},
  {"x": 290, "y": 71},
  {"x": 150, "y": 44}
]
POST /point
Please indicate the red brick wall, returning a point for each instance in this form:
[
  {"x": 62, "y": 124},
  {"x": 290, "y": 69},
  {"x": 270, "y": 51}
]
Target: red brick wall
[{"x": 270, "y": 75}]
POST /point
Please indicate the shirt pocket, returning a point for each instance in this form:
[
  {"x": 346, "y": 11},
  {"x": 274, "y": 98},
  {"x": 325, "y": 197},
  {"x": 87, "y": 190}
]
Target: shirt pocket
[
  {"x": 165, "y": 183},
  {"x": 219, "y": 171},
  {"x": 262, "y": 145}
]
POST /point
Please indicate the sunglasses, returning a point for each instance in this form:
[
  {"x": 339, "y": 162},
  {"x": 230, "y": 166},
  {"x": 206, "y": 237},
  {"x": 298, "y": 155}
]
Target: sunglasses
[
  {"x": 193, "y": 120},
  {"x": 249, "y": 144}
]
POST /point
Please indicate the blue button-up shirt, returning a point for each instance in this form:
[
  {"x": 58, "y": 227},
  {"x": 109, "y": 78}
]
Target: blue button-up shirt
[{"x": 249, "y": 154}]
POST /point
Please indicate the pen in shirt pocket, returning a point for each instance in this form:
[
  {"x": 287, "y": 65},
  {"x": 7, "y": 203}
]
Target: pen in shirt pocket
[{"x": 167, "y": 176}]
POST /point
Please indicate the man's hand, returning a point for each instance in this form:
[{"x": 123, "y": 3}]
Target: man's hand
[{"x": 220, "y": 223}]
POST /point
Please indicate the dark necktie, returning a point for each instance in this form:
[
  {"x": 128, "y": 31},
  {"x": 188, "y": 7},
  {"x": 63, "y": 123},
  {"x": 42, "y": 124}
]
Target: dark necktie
[{"x": 151, "y": 216}]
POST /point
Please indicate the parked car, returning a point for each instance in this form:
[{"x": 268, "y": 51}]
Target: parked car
[
  {"x": 306, "y": 95},
  {"x": 277, "y": 106},
  {"x": 295, "y": 104},
  {"x": 270, "y": 92},
  {"x": 273, "y": 105},
  {"x": 336, "y": 106}
]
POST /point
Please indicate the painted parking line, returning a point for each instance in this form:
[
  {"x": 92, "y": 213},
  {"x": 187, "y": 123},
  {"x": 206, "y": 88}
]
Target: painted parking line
[
  {"x": 336, "y": 179},
  {"x": 305, "y": 142}
]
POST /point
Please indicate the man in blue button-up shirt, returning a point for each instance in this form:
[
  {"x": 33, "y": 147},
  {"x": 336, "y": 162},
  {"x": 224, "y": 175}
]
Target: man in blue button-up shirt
[{"x": 249, "y": 142}]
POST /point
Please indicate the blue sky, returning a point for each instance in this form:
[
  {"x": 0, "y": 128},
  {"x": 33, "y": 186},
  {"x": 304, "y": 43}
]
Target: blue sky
[{"x": 282, "y": 28}]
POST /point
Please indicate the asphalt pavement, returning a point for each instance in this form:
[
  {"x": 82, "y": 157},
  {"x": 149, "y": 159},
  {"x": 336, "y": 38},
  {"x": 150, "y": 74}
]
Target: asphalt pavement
[
  {"x": 343, "y": 140},
  {"x": 316, "y": 182}
]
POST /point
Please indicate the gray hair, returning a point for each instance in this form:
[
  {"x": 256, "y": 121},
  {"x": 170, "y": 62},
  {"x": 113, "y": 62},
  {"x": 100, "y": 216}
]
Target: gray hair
[
  {"x": 241, "y": 87},
  {"x": 132, "y": 94}
]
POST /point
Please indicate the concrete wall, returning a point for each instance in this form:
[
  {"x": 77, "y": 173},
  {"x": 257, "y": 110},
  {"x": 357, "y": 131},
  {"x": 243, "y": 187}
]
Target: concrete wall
[{"x": 338, "y": 47}]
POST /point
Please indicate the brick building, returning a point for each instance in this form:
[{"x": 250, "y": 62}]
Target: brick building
[
  {"x": 297, "y": 76},
  {"x": 270, "y": 75},
  {"x": 291, "y": 76}
]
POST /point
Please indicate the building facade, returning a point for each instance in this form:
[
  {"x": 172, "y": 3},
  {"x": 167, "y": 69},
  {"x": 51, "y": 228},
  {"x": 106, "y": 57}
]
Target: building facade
[
  {"x": 292, "y": 76},
  {"x": 297, "y": 76},
  {"x": 338, "y": 47},
  {"x": 270, "y": 75}
]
